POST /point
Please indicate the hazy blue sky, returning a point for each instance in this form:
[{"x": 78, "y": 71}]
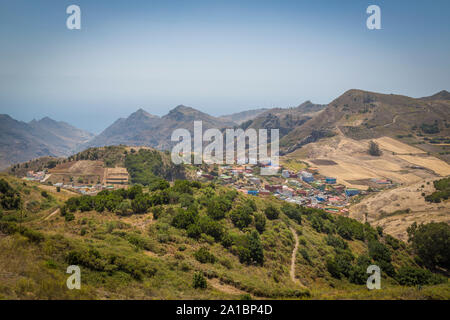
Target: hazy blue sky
[{"x": 217, "y": 56}]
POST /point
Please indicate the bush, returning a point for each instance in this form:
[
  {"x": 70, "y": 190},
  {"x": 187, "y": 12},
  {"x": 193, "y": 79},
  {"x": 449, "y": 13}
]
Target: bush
[
  {"x": 260, "y": 222},
  {"x": 124, "y": 208},
  {"x": 358, "y": 275},
  {"x": 218, "y": 207},
  {"x": 374, "y": 149},
  {"x": 272, "y": 212},
  {"x": 69, "y": 216},
  {"x": 199, "y": 281},
  {"x": 292, "y": 211},
  {"x": 203, "y": 255},
  {"x": 139, "y": 204},
  {"x": 184, "y": 218},
  {"x": 194, "y": 231},
  {"x": 336, "y": 242},
  {"x": 241, "y": 217},
  {"x": 412, "y": 276},
  {"x": 251, "y": 252},
  {"x": 227, "y": 241},
  {"x": 211, "y": 228},
  {"x": 9, "y": 198}
]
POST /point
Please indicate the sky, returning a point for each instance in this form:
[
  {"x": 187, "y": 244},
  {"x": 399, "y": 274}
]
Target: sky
[{"x": 217, "y": 56}]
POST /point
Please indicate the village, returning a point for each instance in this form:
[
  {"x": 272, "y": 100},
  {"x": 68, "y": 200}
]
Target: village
[{"x": 306, "y": 187}]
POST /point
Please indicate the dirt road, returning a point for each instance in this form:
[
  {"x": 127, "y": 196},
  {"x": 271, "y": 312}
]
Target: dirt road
[
  {"x": 294, "y": 254},
  {"x": 51, "y": 214}
]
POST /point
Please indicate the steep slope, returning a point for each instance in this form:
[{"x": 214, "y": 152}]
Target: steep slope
[
  {"x": 71, "y": 135},
  {"x": 144, "y": 129},
  {"x": 284, "y": 119},
  {"x": 243, "y": 116},
  {"x": 442, "y": 95},
  {"x": 364, "y": 115},
  {"x": 20, "y": 141}
]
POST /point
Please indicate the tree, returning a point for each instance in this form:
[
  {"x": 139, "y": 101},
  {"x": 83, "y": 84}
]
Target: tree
[
  {"x": 412, "y": 276},
  {"x": 272, "y": 212},
  {"x": 374, "y": 149},
  {"x": 199, "y": 281},
  {"x": 431, "y": 242},
  {"x": 241, "y": 216},
  {"x": 218, "y": 207},
  {"x": 139, "y": 204},
  {"x": 260, "y": 222},
  {"x": 124, "y": 208},
  {"x": 256, "y": 249},
  {"x": 203, "y": 255}
]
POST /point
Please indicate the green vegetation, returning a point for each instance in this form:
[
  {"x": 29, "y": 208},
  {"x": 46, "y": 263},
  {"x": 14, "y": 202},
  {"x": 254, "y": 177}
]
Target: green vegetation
[
  {"x": 374, "y": 149},
  {"x": 146, "y": 167},
  {"x": 168, "y": 241},
  {"x": 442, "y": 191},
  {"x": 199, "y": 281},
  {"x": 430, "y": 128},
  {"x": 431, "y": 242},
  {"x": 9, "y": 198}
]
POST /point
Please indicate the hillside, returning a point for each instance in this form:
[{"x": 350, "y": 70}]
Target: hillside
[
  {"x": 395, "y": 210},
  {"x": 286, "y": 119},
  {"x": 194, "y": 241},
  {"x": 143, "y": 164},
  {"x": 243, "y": 116},
  {"x": 365, "y": 115},
  {"x": 144, "y": 129},
  {"x": 20, "y": 141}
]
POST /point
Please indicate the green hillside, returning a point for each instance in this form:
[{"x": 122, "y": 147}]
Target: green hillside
[{"x": 168, "y": 243}]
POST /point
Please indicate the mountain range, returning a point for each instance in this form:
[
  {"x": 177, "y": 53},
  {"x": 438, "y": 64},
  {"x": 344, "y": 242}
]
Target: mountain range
[
  {"x": 21, "y": 141},
  {"x": 357, "y": 114}
]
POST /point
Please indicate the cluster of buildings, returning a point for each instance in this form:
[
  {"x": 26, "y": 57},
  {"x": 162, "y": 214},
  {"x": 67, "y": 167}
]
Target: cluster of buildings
[
  {"x": 306, "y": 187},
  {"x": 116, "y": 179},
  {"x": 84, "y": 189},
  {"x": 39, "y": 176}
]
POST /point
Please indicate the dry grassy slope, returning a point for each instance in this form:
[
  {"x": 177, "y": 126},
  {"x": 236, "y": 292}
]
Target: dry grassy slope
[
  {"x": 398, "y": 163},
  {"x": 395, "y": 210},
  {"x": 353, "y": 164},
  {"x": 363, "y": 115}
]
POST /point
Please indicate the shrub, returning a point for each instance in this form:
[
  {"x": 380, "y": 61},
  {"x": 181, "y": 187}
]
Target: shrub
[
  {"x": 194, "y": 231},
  {"x": 260, "y": 222},
  {"x": 358, "y": 275},
  {"x": 69, "y": 216},
  {"x": 336, "y": 242},
  {"x": 199, "y": 281},
  {"x": 124, "y": 208},
  {"x": 412, "y": 276},
  {"x": 184, "y": 218},
  {"x": 292, "y": 211},
  {"x": 241, "y": 217},
  {"x": 272, "y": 212},
  {"x": 431, "y": 242},
  {"x": 227, "y": 240},
  {"x": 218, "y": 207},
  {"x": 211, "y": 228},
  {"x": 203, "y": 255},
  {"x": 374, "y": 149}
]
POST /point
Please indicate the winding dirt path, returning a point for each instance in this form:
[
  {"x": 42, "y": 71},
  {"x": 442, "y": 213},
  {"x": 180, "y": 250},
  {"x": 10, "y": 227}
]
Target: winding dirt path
[
  {"x": 294, "y": 254},
  {"x": 51, "y": 214}
]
